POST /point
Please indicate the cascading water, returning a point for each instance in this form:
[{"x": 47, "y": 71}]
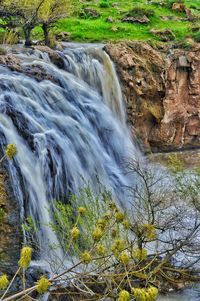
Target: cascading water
[{"x": 69, "y": 129}]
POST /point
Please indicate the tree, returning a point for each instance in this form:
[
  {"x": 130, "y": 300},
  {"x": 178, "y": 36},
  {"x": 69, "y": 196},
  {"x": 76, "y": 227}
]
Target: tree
[
  {"x": 50, "y": 12},
  {"x": 27, "y": 13}
]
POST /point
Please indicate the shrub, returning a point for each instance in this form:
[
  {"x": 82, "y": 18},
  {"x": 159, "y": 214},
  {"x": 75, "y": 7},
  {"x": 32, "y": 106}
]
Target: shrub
[
  {"x": 192, "y": 6},
  {"x": 104, "y": 4},
  {"x": 196, "y": 37},
  {"x": 139, "y": 11}
]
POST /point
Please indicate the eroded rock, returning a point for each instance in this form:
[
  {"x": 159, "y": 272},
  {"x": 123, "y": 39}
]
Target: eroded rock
[
  {"x": 10, "y": 230},
  {"x": 162, "y": 91}
]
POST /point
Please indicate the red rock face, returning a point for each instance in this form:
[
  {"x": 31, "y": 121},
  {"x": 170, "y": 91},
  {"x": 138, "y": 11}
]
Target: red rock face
[
  {"x": 162, "y": 92},
  {"x": 180, "y": 126}
]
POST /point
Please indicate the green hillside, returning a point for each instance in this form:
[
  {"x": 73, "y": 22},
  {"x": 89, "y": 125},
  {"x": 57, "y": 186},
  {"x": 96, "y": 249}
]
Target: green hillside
[{"x": 84, "y": 27}]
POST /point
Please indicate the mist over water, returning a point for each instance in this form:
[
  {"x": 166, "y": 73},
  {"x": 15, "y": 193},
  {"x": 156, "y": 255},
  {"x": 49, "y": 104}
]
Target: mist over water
[{"x": 69, "y": 129}]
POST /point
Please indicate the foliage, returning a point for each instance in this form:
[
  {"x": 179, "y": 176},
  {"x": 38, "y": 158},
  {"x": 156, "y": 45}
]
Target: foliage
[
  {"x": 139, "y": 11},
  {"x": 196, "y": 37},
  {"x": 25, "y": 257},
  {"x": 11, "y": 151},
  {"x": 27, "y": 14},
  {"x": 104, "y": 4},
  {"x": 42, "y": 285},
  {"x": 2, "y": 215},
  {"x": 116, "y": 249},
  {"x": 85, "y": 29},
  {"x": 3, "y": 282}
]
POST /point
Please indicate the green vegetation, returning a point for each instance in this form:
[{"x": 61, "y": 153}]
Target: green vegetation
[
  {"x": 95, "y": 30},
  {"x": 121, "y": 253},
  {"x": 99, "y": 20}
]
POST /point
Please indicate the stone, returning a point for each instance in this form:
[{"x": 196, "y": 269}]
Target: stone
[
  {"x": 10, "y": 230},
  {"x": 63, "y": 36},
  {"x": 109, "y": 20},
  {"x": 183, "y": 62},
  {"x": 162, "y": 94},
  {"x": 135, "y": 20},
  {"x": 92, "y": 13},
  {"x": 168, "y": 18},
  {"x": 165, "y": 35},
  {"x": 178, "y": 7}
]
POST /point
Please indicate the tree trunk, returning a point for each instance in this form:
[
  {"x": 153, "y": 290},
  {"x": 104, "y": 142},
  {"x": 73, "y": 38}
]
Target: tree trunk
[
  {"x": 46, "y": 34},
  {"x": 27, "y": 35}
]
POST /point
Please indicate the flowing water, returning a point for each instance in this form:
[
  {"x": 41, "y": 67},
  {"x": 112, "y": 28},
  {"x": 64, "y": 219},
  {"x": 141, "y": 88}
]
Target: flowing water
[{"x": 70, "y": 129}]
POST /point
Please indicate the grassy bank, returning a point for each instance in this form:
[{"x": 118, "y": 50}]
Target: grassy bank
[{"x": 88, "y": 29}]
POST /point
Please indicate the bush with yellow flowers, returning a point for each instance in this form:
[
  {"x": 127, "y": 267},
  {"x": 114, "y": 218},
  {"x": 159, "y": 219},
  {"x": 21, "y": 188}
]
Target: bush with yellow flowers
[
  {"x": 139, "y": 254},
  {"x": 124, "y": 296},
  {"x": 145, "y": 294},
  {"x": 25, "y": 257},
  {"x": 4, "y": 282},
  {"x": 75, "y": 232},
  {"x": 11, "y": 151},
  {"x": 149, "y": 231},
  {"x": 42, "y": 285}
]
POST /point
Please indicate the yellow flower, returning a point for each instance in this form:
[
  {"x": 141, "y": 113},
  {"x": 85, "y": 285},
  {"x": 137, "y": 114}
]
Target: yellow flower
[
  {"x": 42, "y": 285},
  {"x": 75, "y": 232},
  {"x": 101, "y": 249},
  {"x": 124, "y": 296},
  {"x": 101, "y": 223},
  {"x": 114, "y": 233},
  {"x": 120, "y": 244},
  {"x": 126, "y": 224},
  {"x": 112, "y": 205},
  {"x": 82, "y": 210},
  {"x": 149, "y": 231},
  {"x": 139, "y": 294},
  {"x": 153, "y": 292},
  {"x": 119, "y": 216},
  {"x": 86, "y": 257},
  {"x": 140, "y": 254},
  {"x": 3, "y": 282},
  {"x": 107, "y": 216},
  {"x": 25, "y": 257},
  {"x": 124, "y": 257},
  {"x": 11, "y": 151},
  {"x": 97, "y": 234}
]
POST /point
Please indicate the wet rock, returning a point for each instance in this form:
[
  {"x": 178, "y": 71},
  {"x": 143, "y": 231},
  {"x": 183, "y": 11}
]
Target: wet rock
[
  {"x": 10, "y": 61},
  {"x": 55, "y": 56},
  {"x": 10, "y": 230},
  {"x": 141, "y": 70}
]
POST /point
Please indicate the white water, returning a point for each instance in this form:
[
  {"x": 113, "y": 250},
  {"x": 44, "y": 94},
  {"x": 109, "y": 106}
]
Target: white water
[{"x": 69, "y": 131}]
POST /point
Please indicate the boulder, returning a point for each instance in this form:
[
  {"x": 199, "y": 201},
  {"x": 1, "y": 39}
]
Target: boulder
[
  {"x": 10, "y": 229},
  {"x": 91, "y": 13},
  {"x": 63, "y": 36},
  {"x": 110, "y": 20},
  {"x": 162, "y": 92},
  {"x": 136, "y": 20},
  {"x": 178, "y": 7},
  {"x": 165, "y": 35}
]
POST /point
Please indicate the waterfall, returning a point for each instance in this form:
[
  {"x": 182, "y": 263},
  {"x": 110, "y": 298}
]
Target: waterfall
[{"x": 69, "y": 128}]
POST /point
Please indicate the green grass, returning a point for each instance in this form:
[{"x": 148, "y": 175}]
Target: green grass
[{"x": 98, "y": 30}]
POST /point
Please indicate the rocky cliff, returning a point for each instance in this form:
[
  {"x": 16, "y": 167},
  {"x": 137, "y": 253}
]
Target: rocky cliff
[
  {"x": 10, "y": 230},
  {"x": 162, "y": 93}
]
